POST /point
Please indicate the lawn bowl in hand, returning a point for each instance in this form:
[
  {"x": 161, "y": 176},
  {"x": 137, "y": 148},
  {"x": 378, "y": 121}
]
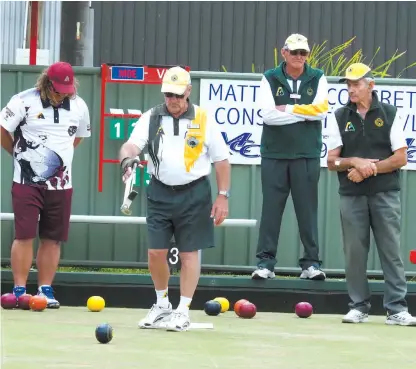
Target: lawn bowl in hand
[
  {"x": 8, "y": 301},
  {"x": 303, "y": 309},
  {"x": 212, "y": 308},
  {"x": 104, "y": 333}
]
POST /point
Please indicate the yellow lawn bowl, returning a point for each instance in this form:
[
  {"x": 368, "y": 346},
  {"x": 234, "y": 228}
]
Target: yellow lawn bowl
[{"x": 225, "y": 304}]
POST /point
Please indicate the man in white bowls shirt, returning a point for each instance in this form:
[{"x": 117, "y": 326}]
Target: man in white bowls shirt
[
  {"x": 181, "y": 140},
  {"x": 40, "y": 128}
]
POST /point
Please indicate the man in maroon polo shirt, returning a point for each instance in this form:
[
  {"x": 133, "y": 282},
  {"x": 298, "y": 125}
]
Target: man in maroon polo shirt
[{"x": 40, "y": 128}]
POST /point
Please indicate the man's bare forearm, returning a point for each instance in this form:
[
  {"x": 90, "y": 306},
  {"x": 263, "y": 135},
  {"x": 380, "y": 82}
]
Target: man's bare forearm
[
  {"x": 128, "y": 150},
  {"x": 223, "y": 174},
  {"x": 6, "y": 141},
  {"x": 392, "y": 163},
  {"x": 345, "y": 163}
]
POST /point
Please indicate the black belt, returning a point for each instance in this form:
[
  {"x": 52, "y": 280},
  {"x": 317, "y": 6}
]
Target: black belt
[{"x": 179, "y": 187}]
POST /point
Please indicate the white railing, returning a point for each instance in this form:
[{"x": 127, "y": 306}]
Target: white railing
[{"x": 103, "y": 219}]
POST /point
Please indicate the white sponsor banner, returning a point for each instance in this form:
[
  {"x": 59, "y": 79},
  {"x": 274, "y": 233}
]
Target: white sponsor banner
[{"x": 232, "y": 104}]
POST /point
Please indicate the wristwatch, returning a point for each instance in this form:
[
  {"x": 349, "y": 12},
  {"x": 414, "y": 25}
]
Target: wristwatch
[
  {"x": 224, "y": 193},
  {"x": 337, "y": 163}
]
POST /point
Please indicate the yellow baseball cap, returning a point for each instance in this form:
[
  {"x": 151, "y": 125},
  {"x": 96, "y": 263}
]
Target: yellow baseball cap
[
  {"x": 357, "y": 71},
  {"x": 176, "y": 80},
  {"x": 297, "y": 42}
]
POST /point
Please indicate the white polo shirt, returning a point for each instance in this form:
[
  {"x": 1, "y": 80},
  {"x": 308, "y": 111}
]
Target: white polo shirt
[
  {"x": 44, "y": 138},
  {"x": 172, "y": 145}
]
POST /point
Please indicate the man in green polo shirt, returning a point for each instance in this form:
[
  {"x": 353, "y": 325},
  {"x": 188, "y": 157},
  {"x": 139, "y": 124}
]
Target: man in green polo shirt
[
  {"x": 294, "y": 100},
  {"x": 367, "y": 149}
]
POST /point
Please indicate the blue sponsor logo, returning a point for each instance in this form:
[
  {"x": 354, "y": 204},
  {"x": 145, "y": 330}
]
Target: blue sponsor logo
[
  {"x": 242, "y": 145},
  {"x": 411, "y": 150}
]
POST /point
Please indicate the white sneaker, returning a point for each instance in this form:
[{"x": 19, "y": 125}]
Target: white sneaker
[
  {"x": 355, "y": 316},
  {"x": 179, "y": 322},
  {"x": 156, "y": 315},
  {"x": 262, "y": 273},
  {"x": 47, "y": 292},
  {"x": 313, "y": 273},
  {"x": 402, "y": 318}
]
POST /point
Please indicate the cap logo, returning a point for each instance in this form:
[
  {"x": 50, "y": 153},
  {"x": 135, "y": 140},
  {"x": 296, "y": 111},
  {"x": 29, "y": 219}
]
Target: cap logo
[
  {"x": 66, "y": 79},
  {"x": 350, "y": 70},
  {"x": 174, "y": 78}
]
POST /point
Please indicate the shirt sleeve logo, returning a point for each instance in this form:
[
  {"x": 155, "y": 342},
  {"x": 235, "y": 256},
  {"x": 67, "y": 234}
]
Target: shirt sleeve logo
[{"x": 8, "y": 114}]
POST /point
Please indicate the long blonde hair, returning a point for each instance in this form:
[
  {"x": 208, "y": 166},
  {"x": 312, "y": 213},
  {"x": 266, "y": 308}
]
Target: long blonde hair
[{"x": 43, "y": 85}]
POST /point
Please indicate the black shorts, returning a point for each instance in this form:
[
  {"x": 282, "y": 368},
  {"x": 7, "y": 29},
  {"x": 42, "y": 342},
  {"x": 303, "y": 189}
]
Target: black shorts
[{"x": 184, "y": 213}]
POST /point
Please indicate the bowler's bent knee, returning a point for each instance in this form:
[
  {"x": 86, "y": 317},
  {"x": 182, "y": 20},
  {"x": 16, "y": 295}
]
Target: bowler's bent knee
[{"x": 157, "y": 255}]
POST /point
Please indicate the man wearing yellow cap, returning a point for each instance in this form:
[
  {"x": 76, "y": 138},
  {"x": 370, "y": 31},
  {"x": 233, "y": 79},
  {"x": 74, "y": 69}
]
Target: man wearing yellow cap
[
  {"x": 367, "y": 149},
  {"x": 181, "y": 140},
  {"x": 293, "y": 101}
]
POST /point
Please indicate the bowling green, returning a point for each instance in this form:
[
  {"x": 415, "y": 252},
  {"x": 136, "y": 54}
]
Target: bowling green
[{"x": 65, "y": 338}]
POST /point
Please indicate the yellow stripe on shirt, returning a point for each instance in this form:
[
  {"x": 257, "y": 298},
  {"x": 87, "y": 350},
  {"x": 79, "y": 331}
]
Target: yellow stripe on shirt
[
  {"x": 195, "y": 138},
  {"x": 312, "y": 109}
]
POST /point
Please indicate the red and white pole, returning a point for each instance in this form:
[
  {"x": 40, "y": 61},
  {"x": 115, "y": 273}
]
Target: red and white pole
[{"x": 33, "y": 32}]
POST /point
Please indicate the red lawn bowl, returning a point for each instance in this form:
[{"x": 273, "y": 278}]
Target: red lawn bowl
[
  {"x": 413, "y": 256},
  {"x": 238, "y": 304},
  {"x": 303, "y": 309},
  {"x": 247, "y": 310},
  {"x": 8, "y": 301},
  {"x": 24, "y": 302}
]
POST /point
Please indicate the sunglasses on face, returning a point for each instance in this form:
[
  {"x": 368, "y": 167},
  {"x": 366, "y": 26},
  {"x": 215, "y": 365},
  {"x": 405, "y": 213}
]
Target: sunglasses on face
[
  {"x": 170, "y": 95},
  {"x": 298, "y": 52}
]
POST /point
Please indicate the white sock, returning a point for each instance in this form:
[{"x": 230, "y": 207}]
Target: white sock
[
  {"x": 162, "y": 298},
  {"x": 184, "y": 304}
]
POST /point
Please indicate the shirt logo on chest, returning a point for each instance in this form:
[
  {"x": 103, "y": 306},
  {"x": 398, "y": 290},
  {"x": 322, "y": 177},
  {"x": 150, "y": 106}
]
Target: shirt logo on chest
[
  {"x": 72, "y": 130},
  {"x": 280, "y": 92},
  {"x": 379, "y": 122},
  {"x": 349, "y": 127},
  {"x": 192, "y": 142}
]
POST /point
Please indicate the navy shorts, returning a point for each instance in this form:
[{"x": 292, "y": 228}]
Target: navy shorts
[
  {"x": 183, "y": 213},
  {"x": 53, "y": 207}
]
